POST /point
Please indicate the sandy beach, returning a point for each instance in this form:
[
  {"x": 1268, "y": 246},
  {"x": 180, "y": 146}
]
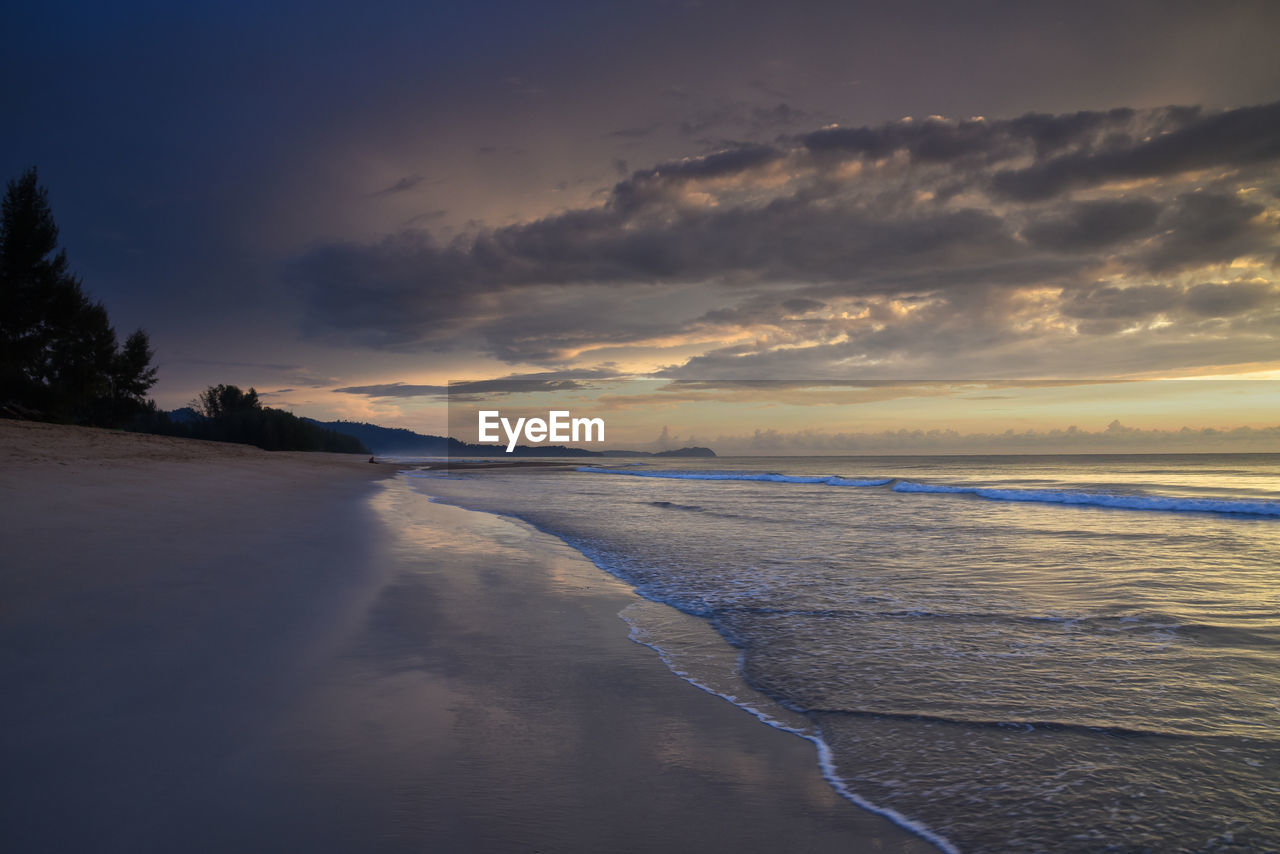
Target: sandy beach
[{"x": 211, "y": 648}]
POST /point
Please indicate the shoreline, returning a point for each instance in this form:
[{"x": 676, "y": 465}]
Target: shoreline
[
  {"x": 210, "y": 647},
  {"x": 716, "y": 775}
]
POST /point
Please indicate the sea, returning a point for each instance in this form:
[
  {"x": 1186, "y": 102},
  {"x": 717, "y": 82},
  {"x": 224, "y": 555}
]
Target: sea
[{"x": 1001, "y": 653}]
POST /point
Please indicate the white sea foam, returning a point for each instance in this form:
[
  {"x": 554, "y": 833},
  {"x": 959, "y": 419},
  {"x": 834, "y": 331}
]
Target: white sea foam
[
  {"x": 1101, "y": 499},
  {"x": 767, "y": 477},
  {"x": 768, "y": 712},
  {"x": 1165, "y": 503}
]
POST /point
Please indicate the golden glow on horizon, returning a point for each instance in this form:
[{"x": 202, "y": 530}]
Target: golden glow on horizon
[{"x": 816, "y": 416}]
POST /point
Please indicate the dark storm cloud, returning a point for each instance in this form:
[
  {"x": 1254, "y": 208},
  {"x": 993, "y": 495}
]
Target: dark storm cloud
[
  {"x": 1050, "y": 134},
  {"x": 1077, "y": 150},
  {"x": 765, "y": 309},
  {"x": 1203, "y": 228},
  {"x": 788, "y": 238},
  {"x": 1187, "y": 141},
  {"x": 802, "y": 305},
  {"x": 929, "y": 213},
  {"x": 407, "y": 290},
  {"x": 542, "y": 381},
  {"x": 1111, "y": 303},
  {"x": 927, "y": 141},
  {"x": 1092, "y": 225},
  {"x": 1231, "y": 298},
  {"x": 721, "y": 164}
]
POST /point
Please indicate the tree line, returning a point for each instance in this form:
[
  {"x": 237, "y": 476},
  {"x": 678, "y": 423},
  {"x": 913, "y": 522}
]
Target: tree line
[
  {"x": 61, "y": 361},
  {"x": 225, "y": 413}
]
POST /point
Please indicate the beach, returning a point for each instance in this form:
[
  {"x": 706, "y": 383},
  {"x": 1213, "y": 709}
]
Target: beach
[{"x": 208, "y": 647}]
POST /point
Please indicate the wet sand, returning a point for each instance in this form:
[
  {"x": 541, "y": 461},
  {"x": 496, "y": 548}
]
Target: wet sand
[{"x": 211, "y": 648}]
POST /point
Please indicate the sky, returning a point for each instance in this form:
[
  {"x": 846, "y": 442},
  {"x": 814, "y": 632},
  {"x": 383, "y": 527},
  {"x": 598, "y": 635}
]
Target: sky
[{"x": 349, "y": 209}]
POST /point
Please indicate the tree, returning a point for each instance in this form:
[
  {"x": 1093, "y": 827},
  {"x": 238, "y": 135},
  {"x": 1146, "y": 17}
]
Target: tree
[
  {"x": 132, "y": 375},
  {"x": 224, "y": 401},
  {"x": 35, "y": 288},
  {"x": 58, "y": 351},
  {"x": 231, "y": 415}
]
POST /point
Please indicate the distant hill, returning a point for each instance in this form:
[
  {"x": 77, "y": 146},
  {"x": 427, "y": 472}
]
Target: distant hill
[
  {"x": 398, "y": 442},
  {"x": 392, "y": 441},
  {"x": 185, "y": 415}
]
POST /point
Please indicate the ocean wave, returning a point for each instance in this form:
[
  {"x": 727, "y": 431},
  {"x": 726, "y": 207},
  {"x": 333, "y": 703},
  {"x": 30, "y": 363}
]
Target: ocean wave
[
  {"x": 1210, "y": 634},
  {"x": 767, "y": 477},
  {"x": 1163, "y": 503},
  {"x": 1100, "y": 729},
  {"x": 1101, "y": 499},
  {"x": 778, "y": 716}
]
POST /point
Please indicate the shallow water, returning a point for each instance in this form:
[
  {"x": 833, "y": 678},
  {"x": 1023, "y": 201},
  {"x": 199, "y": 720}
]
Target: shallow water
[{"x": 1036, "y": 653}]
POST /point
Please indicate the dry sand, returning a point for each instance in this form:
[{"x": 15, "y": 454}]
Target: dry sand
[{"x": 206, "y": 647}]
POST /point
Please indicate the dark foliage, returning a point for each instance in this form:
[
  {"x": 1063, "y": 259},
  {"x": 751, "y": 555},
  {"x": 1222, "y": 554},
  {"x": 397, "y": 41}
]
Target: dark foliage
[
  {"x": 224, "y": 413},
  {"x": 392, "y": 441},
  {"x": 225, "y": 402},
  {"x": 59, "y": 358}
]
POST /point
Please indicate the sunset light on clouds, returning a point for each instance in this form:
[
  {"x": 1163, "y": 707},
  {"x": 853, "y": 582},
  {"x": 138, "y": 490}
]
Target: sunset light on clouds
[{"x": 670, "y": 191}]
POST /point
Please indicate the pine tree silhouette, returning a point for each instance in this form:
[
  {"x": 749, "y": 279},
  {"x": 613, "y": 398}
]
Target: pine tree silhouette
[{"x": 59, "y": 358}]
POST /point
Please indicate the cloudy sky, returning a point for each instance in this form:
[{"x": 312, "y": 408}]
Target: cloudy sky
[{"x": 349, "y": 209}]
